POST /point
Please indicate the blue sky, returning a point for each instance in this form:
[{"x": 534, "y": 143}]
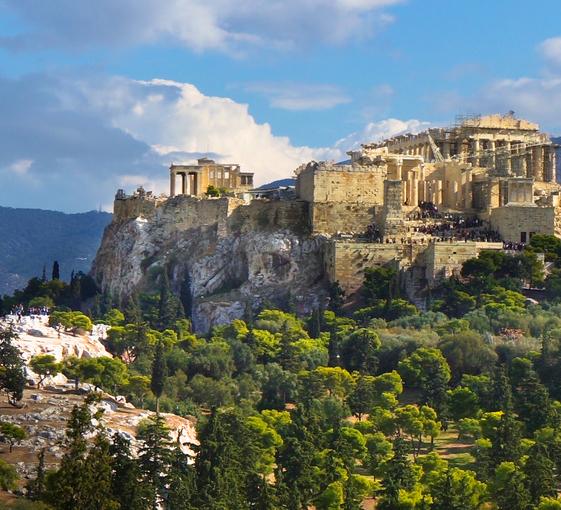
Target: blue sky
[{"x": 105, "y": 94}]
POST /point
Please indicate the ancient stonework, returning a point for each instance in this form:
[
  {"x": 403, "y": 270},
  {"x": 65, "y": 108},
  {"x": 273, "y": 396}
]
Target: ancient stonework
[{"x": 423, "y": 203}]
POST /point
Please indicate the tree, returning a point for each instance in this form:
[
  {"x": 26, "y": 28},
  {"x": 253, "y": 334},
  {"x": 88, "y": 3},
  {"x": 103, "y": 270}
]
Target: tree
[
  {"x": 509, "y": 488},
  {"x": 154, "y": 460},
  {"x": 455, "y": 489},
  {"x": 159, "y": 372},
  {"x": 12, "y": 433},
  {"x": 44, "y": 365},
  {"x": 37, "y": 486},
  {"x": 56, "y": 271},
  {"x": 462, "y": 403},
  {"x": 363, "y": 397},
  {"x": 125, "y": 481},
  {"x": 83, "y": 479},
  {"x": 398, "y": 475},
  {"x": 427, "y": 370},
  {"x": 358, "y": 351},
  {"x": 12, "y": 367},
  {"x": 539, "y": 471},
  {"x": 8, "y": 476}
]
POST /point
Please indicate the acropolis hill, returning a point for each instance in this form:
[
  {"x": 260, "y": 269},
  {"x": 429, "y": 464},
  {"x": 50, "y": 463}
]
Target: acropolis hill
[{"x": 423, "y": 203}]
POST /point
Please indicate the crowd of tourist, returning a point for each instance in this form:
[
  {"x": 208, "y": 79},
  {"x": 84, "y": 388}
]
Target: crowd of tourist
[{"x": 19, "y": 311}]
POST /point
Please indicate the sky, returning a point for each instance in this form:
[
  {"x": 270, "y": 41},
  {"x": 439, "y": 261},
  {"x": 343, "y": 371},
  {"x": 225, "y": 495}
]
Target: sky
[{"x": 97, "y": 95}]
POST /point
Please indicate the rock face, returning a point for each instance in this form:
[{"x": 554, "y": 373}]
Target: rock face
[{"x": 223, "y": 256}]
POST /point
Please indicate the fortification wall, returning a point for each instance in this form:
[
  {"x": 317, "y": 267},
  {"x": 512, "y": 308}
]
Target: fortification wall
[
  {"x": 345, "y": 261},
  {"x": 133, "y": 207},
  {"x": 355, "y": 184},
  {"x": 517, "y": 223},
  {"x": 270, "y": 215},
  {"x": 331, "y": 218}
]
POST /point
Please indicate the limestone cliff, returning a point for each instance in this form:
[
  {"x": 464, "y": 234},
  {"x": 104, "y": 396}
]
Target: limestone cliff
[{"x": 226, "y": 255}]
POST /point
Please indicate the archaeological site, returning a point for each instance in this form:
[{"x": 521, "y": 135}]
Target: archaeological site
[{"x": 421, "y": 203}]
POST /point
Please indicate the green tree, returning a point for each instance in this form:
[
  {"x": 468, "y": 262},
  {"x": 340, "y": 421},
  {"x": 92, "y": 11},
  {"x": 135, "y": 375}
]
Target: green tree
[
  {"x": 154, "y": 458},
  {"x": 12, "y": 433},
  {"x": 12, "y": 367},
  {"x": 427, "y": 370},
  {"x": 8, "y": 476},
  {"x": 55, "y": 275},
  {"x": 44, "y": 365},
  {"x": 455, "y": 489},
  {"x": 159, "y": 373},
  {"x": 83, "y": 479},
  {"x": 358, "y": 351},
  {"x": 509, "y": 488},
  {"x": 462, "y": 403},
  {"x": 539, "y": 470}
]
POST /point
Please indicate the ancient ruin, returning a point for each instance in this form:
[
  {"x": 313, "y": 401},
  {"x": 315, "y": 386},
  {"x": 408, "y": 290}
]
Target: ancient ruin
[{"x": 423, "y": 203}]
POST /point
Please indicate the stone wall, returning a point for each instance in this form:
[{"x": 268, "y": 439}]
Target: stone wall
[
  {"x": 331, "y": 218},
  {"x": 345, "y": 261},
  {"x": 517, "y": 223},
  {"x": 444, "y": 260}
]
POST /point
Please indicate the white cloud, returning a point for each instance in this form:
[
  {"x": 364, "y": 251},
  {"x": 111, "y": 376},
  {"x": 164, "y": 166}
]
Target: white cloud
[
  {"x": 20, "y": 167},
  {"x": 377, "y": 131},
  {"x": 298, "y": 96},
  {"x": 551, "y": 50},
  {"x": 184, "y": 120},
  {"x": 198, "y": 24}
]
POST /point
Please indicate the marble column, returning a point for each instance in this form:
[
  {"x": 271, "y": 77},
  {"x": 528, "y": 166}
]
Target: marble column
[
  {"x": 183, "y": 183},
  {"x": 172, "y": 178}
]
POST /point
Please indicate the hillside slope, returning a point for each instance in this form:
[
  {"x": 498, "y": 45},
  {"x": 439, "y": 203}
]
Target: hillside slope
[{"x": 32, "y": 238}]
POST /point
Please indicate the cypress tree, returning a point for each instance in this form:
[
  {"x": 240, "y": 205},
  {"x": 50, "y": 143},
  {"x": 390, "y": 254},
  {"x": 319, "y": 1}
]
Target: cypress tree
[
  {"x": 159, "y": 370},
  {"x": 36, "y": 487},
  {"x": 12, "y": 366},
  {"x": 502, "y": 394},
  {"x": 56, "y": 271}
]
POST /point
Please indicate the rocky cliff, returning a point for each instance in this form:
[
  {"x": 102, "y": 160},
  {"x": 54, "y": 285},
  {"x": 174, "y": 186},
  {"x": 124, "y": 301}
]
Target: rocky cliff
[{"x": 223, "y": 256}]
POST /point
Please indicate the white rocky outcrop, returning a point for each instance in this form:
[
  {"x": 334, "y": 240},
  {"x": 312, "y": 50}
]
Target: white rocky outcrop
[{"x": 36, "y": 337}]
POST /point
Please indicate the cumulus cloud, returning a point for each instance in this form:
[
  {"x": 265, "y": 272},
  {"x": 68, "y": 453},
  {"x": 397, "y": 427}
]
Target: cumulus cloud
[
  {"x": 200, "y": 25},
  {"x": 78, "y": 141},
  {"x": 377, "y": 131},
  {"x": 298, "y": 97},
  {"x": 551, "y": 50}
]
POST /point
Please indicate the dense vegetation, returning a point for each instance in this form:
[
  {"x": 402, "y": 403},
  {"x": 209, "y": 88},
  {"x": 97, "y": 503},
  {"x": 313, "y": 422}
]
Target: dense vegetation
[{"x": 334, "y": 408}]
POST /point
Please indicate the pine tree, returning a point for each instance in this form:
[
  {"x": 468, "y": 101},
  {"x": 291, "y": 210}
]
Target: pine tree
[
  {"x": 126, "y": 474},
  {"x": 506, "y": 441},
  {"x": 56, "y": 271},
  {"x": 159, "y": 371},
  {"x": 501, "y": 398},
  {"x": 36, "y": 487},
  {"x": 133, "y": 313},
  {"x": 155, "y": 459},
  {"x": 539, "y": 471},
  {"x": 12, "y": 366},
  {"x": 84, "y": 478},
  {"x": 398, "y": 474}
]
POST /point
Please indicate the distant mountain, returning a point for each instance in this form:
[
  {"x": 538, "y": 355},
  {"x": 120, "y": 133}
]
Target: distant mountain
[
  {"x": 33, "y": 238},
  {"x": 278, "y": 184}
]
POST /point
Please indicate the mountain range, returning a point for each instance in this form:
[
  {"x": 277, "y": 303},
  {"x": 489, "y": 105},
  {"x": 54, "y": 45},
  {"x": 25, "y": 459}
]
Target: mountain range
[{"x": 34, "y": 238}]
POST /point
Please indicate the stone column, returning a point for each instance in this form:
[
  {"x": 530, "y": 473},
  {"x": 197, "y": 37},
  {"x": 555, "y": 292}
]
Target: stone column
[
  {"x": 537, "y": 167},
  {"x": 172, "y": 177},
  {"x": 508, "y": 156},
  {"x": 183, "y": 183},
  {"x": 475, "y": 150},
  {"x": 446, "y": 150},
  {"x": 492, "y": 158},
  {"x": 399, "y": 168}
]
